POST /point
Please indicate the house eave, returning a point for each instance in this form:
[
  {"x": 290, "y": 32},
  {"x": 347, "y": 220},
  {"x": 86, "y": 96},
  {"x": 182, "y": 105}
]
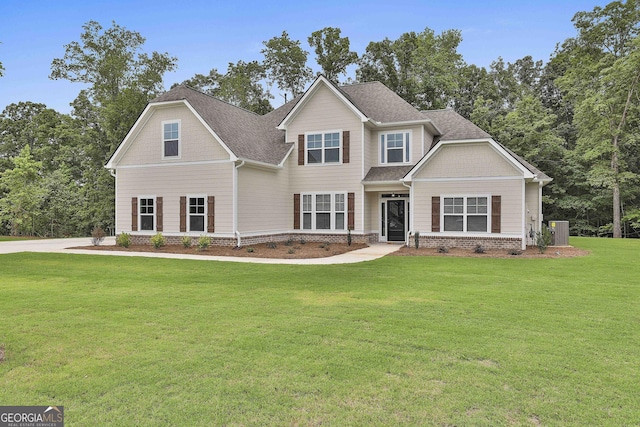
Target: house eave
[{"x": 423, "y": 122}]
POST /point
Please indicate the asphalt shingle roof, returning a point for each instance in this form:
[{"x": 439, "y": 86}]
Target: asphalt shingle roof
[
  {"x": 387, "y": 173},
  {"x": 453, "y": 126},
  {"x": 254, "y": 137}
]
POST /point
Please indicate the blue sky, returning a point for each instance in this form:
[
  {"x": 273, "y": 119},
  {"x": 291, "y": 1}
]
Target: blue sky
[{"x": 210, "y": 34}]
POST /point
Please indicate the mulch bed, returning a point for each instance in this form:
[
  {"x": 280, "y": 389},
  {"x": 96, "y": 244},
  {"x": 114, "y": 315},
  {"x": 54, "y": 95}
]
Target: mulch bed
[
  {"x": 281, "y": 250},
  {"x": 530, "y": 252}
]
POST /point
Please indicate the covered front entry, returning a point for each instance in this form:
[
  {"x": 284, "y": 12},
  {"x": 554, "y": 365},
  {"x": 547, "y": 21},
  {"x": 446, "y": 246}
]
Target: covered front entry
[{"x": 394, "y": 217}]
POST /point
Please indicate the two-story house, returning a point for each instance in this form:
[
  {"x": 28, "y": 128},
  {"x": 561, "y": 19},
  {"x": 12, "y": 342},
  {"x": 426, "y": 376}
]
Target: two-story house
[{"x": 351, "y": 159}]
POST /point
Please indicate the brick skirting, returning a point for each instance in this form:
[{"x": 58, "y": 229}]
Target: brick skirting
[
  {"x": 469, "y": 242},
  {"x": 138, "y": 239}
]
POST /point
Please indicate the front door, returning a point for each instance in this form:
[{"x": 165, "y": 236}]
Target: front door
[{"x": 396, "y": 228}]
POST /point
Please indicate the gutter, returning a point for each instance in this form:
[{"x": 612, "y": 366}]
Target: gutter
[
  {"x": 406, "y": 241},
  {"x": 235, "y": 200}
]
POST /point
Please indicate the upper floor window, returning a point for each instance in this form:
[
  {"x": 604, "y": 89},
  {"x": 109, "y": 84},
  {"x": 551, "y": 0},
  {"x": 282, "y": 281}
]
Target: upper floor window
[
  {"x": 171, "y": 139},
  {"x": 467, "y": 214},
  {"x": 394, "y": 147},
  {"x": 322, "y": 147}
]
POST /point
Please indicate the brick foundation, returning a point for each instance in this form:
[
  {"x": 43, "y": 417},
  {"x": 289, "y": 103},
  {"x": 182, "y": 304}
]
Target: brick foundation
[
  {"x": 137, "y": 239},
  {"x": 507, "y": 243}
]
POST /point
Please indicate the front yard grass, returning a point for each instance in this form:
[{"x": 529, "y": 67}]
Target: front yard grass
[{"x": 398, "y": 341}]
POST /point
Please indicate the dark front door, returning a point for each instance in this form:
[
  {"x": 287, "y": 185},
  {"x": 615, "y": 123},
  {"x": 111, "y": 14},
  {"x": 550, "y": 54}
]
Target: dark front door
[{"x": 395, "y": 221}]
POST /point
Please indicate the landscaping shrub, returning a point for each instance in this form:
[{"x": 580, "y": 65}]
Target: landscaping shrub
[
  {"x": 443, "y": 250},
  {"x": 349, "y": 237},
  {"x": 479, "y": 249},
  {"x": 158, "y": 241},
  {"x": 514, "y": 252},
  {"x": 186, "y": 241},
  {"x": 271, "y": 245},
  {"x": 543, "y": 239},
  {"x": 123, "y": 240},
  {"x": 97, "y": 235},
  {"x": 203, "y": 242}
]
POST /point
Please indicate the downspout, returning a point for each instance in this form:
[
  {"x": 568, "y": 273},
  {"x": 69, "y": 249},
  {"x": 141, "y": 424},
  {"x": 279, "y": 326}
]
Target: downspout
[
  {"x": 407, "y": 239},
  {"x": 235, "y": 202},
  {"x": 112, "y": 172}
]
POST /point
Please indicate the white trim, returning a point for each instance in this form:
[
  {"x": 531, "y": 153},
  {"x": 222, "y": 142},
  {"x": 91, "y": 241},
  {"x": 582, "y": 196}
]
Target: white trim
[
  {"x": 524, "y": 215},
  {"x": 154, "y": 165},
  {"x": 115, "y": 202},
  {"x": 206, "y": 207},
  {"x": 309, "y": 93},
  {"x": 286, "y": 156},
  {"x": 163, "y": 155},
  {"x": 407, "y": 217},
  {"x": 332, "y": 212},
  {"x": 423, "y": 122},
  {"x": 465, "y": 214},
  {"x": 406, "y": 147},
  {"x": 155, "y": 213},
  {"x": 478, "y": 178},
  {"x": 323, "y": 148}
]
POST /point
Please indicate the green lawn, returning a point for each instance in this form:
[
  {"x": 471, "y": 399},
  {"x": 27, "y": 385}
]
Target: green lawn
[
  {"x": 398, "y": 341},
  {"x": 14, "y": 238}
]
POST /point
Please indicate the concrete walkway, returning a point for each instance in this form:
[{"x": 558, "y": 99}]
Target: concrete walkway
[{"x": 374, "y": 251}]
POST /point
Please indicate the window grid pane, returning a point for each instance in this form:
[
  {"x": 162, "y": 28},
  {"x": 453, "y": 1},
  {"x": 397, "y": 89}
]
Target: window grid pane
[
  {"x": 332, "y": 140},
  {"x": 323, "y": 202},
  {"x": 468, "y": 214}
]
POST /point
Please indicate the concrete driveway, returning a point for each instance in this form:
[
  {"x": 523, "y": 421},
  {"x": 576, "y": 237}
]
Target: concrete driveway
[
  {"x": 372, "y": 252},
  {"x": 48, "y": 245}
]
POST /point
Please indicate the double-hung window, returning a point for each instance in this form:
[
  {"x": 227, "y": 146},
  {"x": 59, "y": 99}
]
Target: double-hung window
[
  {"x": 171, "y": 139},
  {"x": 466, "y": 214},
  {"x": 323, "y": 211},
  {"x": 394, "y": 147},
  {"x": 197, "y": 213},
  {"x": 323, "y": 147},
  {"x": 147, "y": 213}
]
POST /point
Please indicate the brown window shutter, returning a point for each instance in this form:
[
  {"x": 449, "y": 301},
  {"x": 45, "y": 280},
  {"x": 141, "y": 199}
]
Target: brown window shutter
[
  {"x": 211, "y": 214},
  {"x": 159, "y": 222},
  {"x": 134, "y": 214},
  {"x": 496, "y": 207},
  {"x": 301, "y": 149},
  {"x": 351, "y": 211},
  {"x": 435, "y": 214},
  {"x": 183, "y": 214},
  {"x": 296, "y": 211},
  {"x": 345, "y": 146}
]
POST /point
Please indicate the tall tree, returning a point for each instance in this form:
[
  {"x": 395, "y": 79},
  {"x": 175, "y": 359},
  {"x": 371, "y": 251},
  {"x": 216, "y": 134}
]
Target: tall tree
[
  {"x": 20, "y": 204},
  {"x": 110, "y": 61},
  {"x": 332, "y": 52},
  {"x": 240, "y": 86},
  {"x": 286, "y": 64},
  {"x": 603, "y": 78},
  {"x": 121, "y": 80},
  {"x": 420, "y": 67}
]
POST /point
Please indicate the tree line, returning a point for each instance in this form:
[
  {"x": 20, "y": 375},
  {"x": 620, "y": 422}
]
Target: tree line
[{"x": 576, "y": 116}]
